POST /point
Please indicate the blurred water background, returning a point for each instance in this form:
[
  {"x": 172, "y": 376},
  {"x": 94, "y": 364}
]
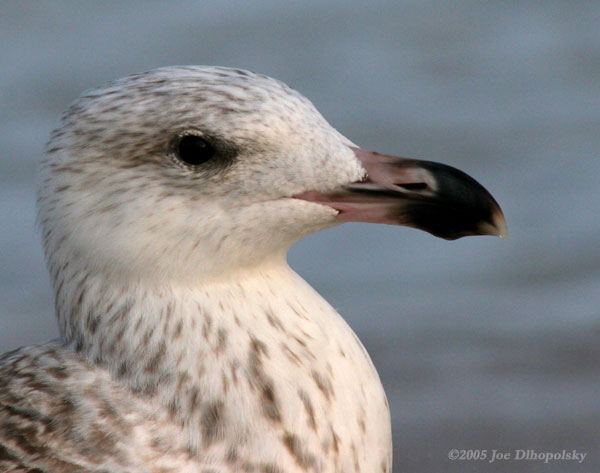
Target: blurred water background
[{"x": 480, "y": 343}]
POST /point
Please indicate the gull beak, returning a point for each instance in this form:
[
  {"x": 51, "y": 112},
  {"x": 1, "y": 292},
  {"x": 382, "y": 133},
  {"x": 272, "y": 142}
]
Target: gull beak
[{"x": 433, "y": 197}]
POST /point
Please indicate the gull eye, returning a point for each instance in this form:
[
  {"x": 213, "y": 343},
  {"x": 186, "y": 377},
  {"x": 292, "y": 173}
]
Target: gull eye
[{"x": 194, "y": 150}]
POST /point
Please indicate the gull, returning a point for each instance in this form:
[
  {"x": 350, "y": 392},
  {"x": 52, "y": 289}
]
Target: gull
[{"x": 167, "y": 203}]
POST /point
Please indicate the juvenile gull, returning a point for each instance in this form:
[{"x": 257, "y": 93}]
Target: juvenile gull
[{"x": 167, "y": 203}]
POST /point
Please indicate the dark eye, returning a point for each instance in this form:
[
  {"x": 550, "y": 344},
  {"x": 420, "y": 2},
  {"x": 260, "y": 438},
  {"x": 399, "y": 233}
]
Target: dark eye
[{"x": 194, "y": 150}]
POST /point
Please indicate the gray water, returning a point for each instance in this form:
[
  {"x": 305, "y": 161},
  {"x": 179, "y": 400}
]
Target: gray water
[{"x": 480, "y": 343}]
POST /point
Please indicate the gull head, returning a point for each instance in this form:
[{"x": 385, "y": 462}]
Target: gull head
[{"x": 188, "y": 173}]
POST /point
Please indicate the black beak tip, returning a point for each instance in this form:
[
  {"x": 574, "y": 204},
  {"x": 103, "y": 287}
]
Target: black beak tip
[{"x": 460, "y": 207}]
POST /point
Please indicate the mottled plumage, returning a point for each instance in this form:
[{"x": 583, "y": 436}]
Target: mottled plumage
[{"x": 187, "y": 343}]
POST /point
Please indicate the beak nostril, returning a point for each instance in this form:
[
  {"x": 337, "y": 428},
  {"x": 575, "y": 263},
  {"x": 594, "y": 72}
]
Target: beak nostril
[{"x": 413, "y": 186}]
